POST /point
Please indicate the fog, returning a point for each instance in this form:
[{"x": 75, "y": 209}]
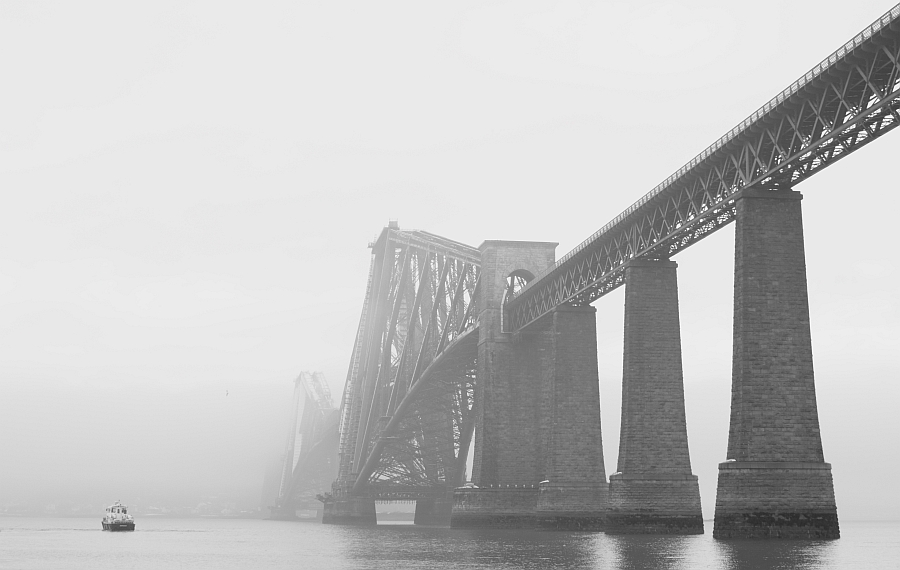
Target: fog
[{"x": 189, "y": 189}]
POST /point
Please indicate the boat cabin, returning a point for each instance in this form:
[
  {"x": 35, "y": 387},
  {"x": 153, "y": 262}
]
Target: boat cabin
[{"x": 117, "y": 508}]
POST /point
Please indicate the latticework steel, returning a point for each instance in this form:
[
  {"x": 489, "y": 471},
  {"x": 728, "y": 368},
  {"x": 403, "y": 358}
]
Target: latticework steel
[
  {"x": 406, "y": 417},
  {"x": 310, "y": 458},
  {"x": 848, "y": 100}
]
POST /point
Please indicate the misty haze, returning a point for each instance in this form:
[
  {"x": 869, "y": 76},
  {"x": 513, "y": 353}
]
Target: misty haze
[{"x": 203, "y": 201}]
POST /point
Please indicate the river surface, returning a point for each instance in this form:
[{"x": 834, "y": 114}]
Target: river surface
[{"x": 226, "y": 544}]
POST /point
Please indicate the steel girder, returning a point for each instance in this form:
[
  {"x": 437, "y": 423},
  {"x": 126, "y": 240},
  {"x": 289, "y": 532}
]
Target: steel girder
[
  {"x": 848, "y": 100},
  {"x": 310, "y": 458},
  {"x": 406, "y": 418}
]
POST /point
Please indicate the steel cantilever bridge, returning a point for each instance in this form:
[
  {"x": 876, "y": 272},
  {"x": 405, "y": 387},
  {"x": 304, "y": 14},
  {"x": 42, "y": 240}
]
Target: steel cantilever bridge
[
  {"x": 408, "y": 409},
  {"x": 309, "y": 463},
  {"x": 406, "y": 416}
]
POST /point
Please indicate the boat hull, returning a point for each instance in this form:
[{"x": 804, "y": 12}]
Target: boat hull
[{"x": 118, "y": 526}]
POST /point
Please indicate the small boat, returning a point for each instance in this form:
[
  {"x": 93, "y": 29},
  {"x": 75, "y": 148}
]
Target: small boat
[{"x": 117, "y": 518}]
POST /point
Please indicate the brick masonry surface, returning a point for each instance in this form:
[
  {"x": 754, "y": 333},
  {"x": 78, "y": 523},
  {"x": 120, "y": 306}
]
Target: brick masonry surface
[
  {"x": 574, "y": 496},
  {"x": 775, "y": 502},
  {"x": 433, "y": 511},
  {"x": 571, "y": 507},
  {"x": 359, "y": 511},
  {"x": 654, "y": 490},
  {"x": 654, "y": 431},
  {"x": 506, "y": 507},
  {"x": 654, "y": 506},
  {"x": 510, "y": 428},
  {"x": 773, "y": 401},
  {"x": 777, "y": 483},
  {"x": 575, "y": 448},
  {"x": 539, "y": 415}
]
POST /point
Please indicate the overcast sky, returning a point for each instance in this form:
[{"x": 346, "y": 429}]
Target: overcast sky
[{"x": 189, "y": 189}]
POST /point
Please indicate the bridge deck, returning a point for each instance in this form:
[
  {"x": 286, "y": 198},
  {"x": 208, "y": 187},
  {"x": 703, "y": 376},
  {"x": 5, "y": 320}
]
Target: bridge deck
[{"x": 848, "y": 100}]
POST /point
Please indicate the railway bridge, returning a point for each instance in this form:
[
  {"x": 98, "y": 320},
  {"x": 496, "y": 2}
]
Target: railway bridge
[{"x": 494, "y": 348}]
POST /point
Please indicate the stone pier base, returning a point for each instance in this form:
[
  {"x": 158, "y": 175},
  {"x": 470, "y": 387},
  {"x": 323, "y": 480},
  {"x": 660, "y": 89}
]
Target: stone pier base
[
  {"x": 359, "y": 511},
  {"x": 571, "y": 506},
  {"x": 775, "y": 500},
  {"x": 654, "y": 504},
  {"x": 494, "y": 507},
  {"x": 433, "y": 512}
]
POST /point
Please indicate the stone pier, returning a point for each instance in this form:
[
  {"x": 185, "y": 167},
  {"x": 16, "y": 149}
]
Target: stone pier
[
  {"x": 538, "y": 459},
  {"x": 359, "y": 511},
  {"x": 775, "y": 483},
  {"x": 433, "y": 511},
  {"x": 510, "y": 428},
  {"x": 654, "y": 491},
  {"x": 574, "y": 495},
  {"x": 499, "y": 506}
]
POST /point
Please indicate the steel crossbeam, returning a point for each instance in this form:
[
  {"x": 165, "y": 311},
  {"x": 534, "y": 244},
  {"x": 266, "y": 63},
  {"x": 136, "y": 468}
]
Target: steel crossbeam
[
  {"x": 845, "y": 102},
  {"x": 407, "y": 406}
]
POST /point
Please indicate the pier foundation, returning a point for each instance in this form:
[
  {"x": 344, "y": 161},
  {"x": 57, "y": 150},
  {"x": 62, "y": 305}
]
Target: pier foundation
[
  {"x": 494, "y": 507},
  {"x": 433, "y": 512},
  {"x": 359, "y": 511}
]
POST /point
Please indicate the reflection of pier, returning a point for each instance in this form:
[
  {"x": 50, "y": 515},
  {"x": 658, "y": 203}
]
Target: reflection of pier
[{"x": 310, "y": 458}]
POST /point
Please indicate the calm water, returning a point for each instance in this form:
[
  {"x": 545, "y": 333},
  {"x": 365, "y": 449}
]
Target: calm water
[{"x": 225, "y": 544}]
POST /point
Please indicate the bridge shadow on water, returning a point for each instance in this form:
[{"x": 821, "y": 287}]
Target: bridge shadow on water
[{"x": 408, "y": 546}]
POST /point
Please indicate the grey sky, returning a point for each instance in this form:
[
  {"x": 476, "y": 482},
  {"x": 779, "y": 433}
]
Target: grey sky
[{"x": 189, "y": 189}]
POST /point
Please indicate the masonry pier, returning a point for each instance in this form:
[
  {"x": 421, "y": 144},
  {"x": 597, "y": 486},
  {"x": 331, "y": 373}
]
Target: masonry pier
[
  {"x": 574, "y": 494},
  {"x": 508, "y": 458},
  {"x": 654, "y": 491},
  {"x": 433, "y": 511},
  {"x": 350, "y": 510},
  {"x": 775, "y": 482},
  {"x": 533, "y": 465}
]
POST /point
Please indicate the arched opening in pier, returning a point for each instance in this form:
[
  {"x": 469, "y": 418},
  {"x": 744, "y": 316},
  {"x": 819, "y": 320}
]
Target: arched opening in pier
[{"x": 515, "y": 282}]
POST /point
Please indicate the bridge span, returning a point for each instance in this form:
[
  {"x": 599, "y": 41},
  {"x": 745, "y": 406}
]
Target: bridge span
[
  {"x": 497, "y": 345},
  {"x": 309, "y": 463}
]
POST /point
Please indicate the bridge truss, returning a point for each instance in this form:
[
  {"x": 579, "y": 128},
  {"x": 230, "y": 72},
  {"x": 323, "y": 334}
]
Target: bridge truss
[
  {"x": 843, "y": 103},
  {"x": 310, "y": 459},
  {"x": 407, "y": 410}
]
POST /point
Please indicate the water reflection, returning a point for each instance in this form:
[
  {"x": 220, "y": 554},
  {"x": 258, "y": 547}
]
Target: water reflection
[
  {"x": 423, "y": 548},
  {"x": 651, "y": 551},
  {"x": 531, "y": 550},
  {"x": 428, "y": 547},
  {"x": 774, "y": 554}
]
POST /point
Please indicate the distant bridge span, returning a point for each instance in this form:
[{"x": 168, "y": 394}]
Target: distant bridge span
[
  {"x": 498, "y": 344},
  {"x": 309, "y": 463}
]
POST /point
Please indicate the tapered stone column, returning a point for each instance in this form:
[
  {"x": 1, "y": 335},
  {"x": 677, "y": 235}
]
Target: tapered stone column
[
  {"x": 654, "y": 490},
  {"x": 776, "y": 482},
  {"x": 575, "y": 493}
]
